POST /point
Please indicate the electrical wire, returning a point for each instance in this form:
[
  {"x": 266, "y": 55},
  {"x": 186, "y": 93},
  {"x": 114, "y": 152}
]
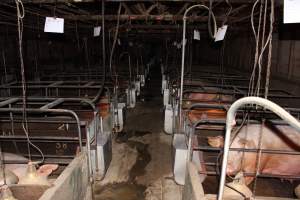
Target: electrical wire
[
  {"x": 96, "y": 98},
  {"x": 210, "y": 13},
  {"x": 114, "y": 41},
  {"x": 264, "y": 46},
  {"x": 262, "y": 49},
  {"x": 268, "y": 73},
  {"x": 20, "y": 16},
  {"x": 228, "y": 12},
  {"x": 256, "y": 36}
]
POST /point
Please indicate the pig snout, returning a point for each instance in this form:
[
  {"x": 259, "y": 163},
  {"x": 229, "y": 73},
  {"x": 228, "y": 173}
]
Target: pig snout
[{"x": 39, "y": 176}]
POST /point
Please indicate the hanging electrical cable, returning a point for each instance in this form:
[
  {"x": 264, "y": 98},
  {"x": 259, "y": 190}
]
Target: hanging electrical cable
[
  {"x": 20, "y": 16},
  {"x": 96, "y": 98},
  {"x": 259, "y": 61},
  {"x": 113, "y": 48},
  {"x": 257, "y": 37},
  {"x": 257, "y": 91},
  {"x": 114, "y": 41},
  {"x": 210, "y": 13},
  {"x": 183, "y": 51},
  {"x": 264, "y": 45},
  {"x": 228, "y": 12},
  {"x": 268, "y": 73},
  {"x": 267, "y": 43}
]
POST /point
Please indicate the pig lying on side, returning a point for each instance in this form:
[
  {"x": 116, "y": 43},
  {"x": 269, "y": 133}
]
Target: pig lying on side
[
  {"x": 279, "y": 137},
  {"x": 20, "y": 170}
]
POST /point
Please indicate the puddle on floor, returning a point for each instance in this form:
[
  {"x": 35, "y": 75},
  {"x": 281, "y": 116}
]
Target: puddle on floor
[
  {"x": 129, "y": 190},
  {"x": 124, "y": 136},
  {"x": 120, "y": 191},
  {"x": 142, "y": 161}
]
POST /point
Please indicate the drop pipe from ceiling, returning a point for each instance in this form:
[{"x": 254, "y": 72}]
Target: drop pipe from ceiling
[{"x": 183, "y": 51}]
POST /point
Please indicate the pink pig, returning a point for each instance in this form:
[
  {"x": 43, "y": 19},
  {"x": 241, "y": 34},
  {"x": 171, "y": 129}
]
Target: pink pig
[
  {"x": 279, "y": 137},
  {"x": 21, "y": 169}
]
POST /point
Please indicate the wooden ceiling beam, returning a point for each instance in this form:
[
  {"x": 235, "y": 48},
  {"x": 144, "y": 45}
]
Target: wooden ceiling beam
[
  {"x": 136, "y": 1},
  {"x": 141, "y": 17}
]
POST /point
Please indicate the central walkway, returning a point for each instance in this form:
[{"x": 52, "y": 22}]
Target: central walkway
[{"x": 141, "y": 166}]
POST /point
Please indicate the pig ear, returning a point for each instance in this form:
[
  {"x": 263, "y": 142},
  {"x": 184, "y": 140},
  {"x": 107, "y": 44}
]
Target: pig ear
[{"x": 46, "y": 170}]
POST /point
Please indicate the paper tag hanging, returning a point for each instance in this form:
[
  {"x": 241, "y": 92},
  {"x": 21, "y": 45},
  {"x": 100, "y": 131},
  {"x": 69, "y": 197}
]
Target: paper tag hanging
[
  {"x": 119, "y": 42},
  {"x": 97, "y": 30},
  {"x": 220, "y": 35},
  {"x": 196, "y": 35},
  {"x": 54, "y": 25},
  {"x": 291, "y": 11}
]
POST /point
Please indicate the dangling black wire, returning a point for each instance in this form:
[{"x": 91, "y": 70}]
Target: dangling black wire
[{"x": 96, "y": 98}]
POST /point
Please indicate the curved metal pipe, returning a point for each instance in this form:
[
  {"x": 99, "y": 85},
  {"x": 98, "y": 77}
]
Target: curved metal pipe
[
  {"x": 6, "y": 101},
  {"x": 34, "y": 110},
  {"x": 183, "y": 51},
  {"x": 76, "y": 118},
  {"x": 229, "y": 125}
]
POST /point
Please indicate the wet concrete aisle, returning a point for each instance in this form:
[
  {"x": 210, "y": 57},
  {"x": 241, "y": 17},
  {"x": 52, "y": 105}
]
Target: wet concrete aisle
[{"x": 141, "y": 167}]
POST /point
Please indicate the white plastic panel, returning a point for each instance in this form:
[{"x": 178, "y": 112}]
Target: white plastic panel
[
  {"x": 168, "y": 123},
  {"x": 166, "y": 96},
  {"x": 131, "y": 97},
  {"x": 138, "y": 87},
  {"x": 118, "y": 117},
  {"x": 180, "y": 158}
]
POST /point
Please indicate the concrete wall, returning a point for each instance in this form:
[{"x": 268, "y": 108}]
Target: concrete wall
[{"x": 73, "y": 183}]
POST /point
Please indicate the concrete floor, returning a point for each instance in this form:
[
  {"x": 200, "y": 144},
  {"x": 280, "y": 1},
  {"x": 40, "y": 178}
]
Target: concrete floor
[{"x": 141, "y": 166}]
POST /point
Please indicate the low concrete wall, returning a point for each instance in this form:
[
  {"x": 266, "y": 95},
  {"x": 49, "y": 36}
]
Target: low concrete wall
[
  {"x": 73, "y": 183},
  {"x": 193, "y": 189}
]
